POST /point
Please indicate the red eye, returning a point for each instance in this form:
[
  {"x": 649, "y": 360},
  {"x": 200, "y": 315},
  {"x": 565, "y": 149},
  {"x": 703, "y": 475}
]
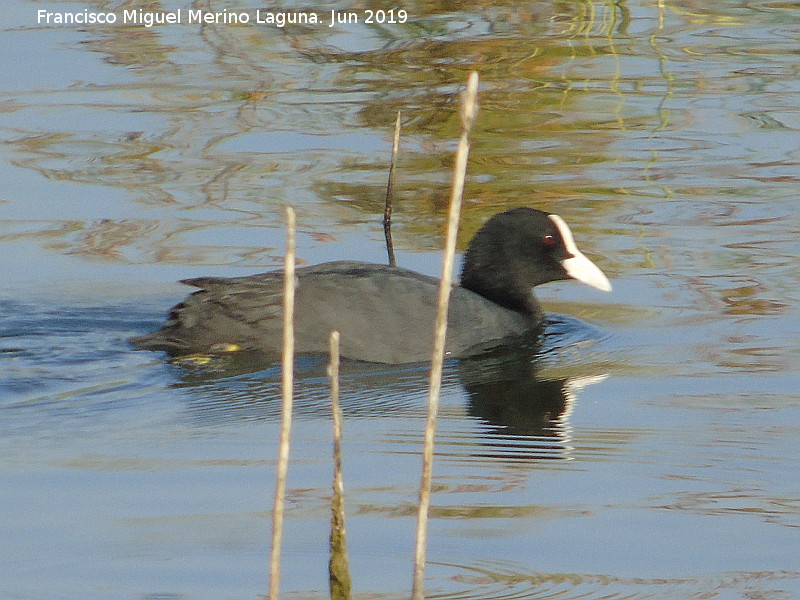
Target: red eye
[{"x": 548, "y": 240}]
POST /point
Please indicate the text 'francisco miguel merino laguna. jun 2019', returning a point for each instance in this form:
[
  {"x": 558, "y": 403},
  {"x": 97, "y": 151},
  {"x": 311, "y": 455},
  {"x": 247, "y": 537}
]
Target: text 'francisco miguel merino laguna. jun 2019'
[{"x": 225, "y": 17}]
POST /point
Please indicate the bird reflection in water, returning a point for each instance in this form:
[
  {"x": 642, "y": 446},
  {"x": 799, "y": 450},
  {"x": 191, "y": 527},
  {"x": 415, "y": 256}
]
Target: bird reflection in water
[
  {"x": 524, "y": 411},
  {"x": 520, "y": 405}
]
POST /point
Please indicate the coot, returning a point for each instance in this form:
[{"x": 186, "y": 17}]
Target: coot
[{"x": 386, "y": 314}]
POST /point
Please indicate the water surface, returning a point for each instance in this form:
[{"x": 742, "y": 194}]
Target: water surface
[{"x": 649, "y": 451}]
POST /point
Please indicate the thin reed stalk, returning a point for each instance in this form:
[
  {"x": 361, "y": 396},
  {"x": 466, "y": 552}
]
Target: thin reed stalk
[
  {"x": 387, "y": 210},
  {"x": 338, "y": 566},
  {"x": 287, "y": 370},
  {"x": 469, "y": 110}
]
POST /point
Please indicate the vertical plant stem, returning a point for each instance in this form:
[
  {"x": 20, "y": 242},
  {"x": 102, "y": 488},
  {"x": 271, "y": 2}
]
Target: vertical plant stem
[
  {"x": 469, "y": 110},
  {"x": 338, "y": 567},
  {"x": 387, "y": 211},
  {"x": 287, "y": 370}
]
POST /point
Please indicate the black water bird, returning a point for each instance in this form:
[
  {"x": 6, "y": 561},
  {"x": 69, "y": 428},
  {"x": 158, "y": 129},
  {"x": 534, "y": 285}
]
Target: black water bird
[{"x": 386, "y": 314}]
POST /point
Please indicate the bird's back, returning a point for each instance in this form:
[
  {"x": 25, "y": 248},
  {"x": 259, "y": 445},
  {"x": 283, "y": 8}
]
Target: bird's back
[{"x": 384, "y": 314}]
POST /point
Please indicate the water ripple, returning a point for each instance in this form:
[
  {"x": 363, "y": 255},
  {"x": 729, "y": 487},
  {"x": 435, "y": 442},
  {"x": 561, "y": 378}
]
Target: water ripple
[{"x": 494, "y": 581}]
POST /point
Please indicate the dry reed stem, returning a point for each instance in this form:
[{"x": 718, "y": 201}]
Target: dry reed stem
[
  {"x": 387, "y": 211},
  {"x": 469, "y": 109},
  {"x": 338, "y": 566},
  {"x": 287, "y": 370}
]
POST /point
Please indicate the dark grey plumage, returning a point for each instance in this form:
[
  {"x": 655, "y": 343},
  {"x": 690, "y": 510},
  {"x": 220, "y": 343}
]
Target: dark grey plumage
[{"x": 384, "y": 314}]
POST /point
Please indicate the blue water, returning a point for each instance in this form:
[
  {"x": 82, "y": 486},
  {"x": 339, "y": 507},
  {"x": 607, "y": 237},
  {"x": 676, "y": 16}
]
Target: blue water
[{"x": 648, "y": 450}]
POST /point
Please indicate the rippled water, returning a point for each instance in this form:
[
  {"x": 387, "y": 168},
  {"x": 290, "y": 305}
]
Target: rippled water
[{"x": 649, "y": 448}]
